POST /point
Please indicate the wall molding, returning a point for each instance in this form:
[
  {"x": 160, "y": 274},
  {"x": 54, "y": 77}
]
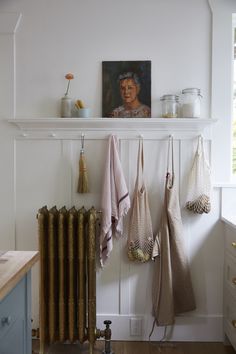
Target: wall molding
[
  {"x": 221, "y": 85},
  {"x": 114, "y": 123},
  {"x": 100, "y": 128},
  {"x": 9, "y": 22}
]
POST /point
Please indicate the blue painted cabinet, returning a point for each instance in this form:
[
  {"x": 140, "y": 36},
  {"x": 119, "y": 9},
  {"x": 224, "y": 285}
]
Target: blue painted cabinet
[{"x": 15, "y": 319}]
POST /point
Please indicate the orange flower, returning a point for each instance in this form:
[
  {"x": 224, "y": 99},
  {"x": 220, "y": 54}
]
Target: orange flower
[{"x": 69, "y": 77}]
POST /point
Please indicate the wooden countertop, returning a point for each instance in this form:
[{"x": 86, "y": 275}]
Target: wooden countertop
[{"x": 13, "y": 266}]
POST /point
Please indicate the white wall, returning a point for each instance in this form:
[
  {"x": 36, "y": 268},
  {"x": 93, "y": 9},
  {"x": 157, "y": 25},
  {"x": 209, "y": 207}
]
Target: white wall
[
  {"x": 55, "y": 37},
  {"x": 60, "y": 36}
]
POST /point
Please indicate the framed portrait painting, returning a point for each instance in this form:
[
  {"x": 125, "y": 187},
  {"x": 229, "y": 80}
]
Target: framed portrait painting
[{"x": 126, "y": 89}]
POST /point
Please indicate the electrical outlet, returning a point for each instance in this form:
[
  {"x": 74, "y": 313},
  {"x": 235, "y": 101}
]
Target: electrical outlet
[{"x": 136, "y": 326}]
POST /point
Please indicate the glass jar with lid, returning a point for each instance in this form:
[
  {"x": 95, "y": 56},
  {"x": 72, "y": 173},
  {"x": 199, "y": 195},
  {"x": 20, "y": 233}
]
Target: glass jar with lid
[
  {"x": 170, "y": 106},
  {"x": 191, "y": 103}
]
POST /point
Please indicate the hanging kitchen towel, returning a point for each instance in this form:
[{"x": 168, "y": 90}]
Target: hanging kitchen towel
[
  {"x": 115, "y": 201},
  {"x": 140, "y": 238},
  {"x": 172, "y": 286},
  {"x": 199, "y": 185}
]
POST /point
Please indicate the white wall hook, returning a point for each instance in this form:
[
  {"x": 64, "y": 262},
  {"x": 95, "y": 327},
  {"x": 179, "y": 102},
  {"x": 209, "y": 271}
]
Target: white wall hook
[
  {"x": 82, "y": 141},
  {"x": 52, "y": 135},
  {"x": 24, "y": 135}
]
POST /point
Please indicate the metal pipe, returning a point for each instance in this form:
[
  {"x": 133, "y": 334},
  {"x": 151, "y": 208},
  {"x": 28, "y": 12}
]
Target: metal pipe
[{"x": 91, "y": 348}]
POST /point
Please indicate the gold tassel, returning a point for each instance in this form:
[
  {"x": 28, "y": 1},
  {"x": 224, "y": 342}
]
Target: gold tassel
[{"x": 83, "y": 185}]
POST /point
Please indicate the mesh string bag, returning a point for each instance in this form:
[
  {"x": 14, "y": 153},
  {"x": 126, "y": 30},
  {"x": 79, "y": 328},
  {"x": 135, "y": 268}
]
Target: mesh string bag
[
  {"x": 140, "y": 236},
  {"x": 199, "y": 184}
]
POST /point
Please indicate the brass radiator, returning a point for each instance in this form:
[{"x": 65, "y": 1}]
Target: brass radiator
[{"x": 67, "y": 245}]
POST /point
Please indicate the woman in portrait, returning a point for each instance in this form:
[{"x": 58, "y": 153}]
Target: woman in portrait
[{"x": 129, "y": 86}]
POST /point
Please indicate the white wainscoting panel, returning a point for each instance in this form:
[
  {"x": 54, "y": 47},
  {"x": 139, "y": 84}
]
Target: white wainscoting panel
[{"x": 46, "y": 173}]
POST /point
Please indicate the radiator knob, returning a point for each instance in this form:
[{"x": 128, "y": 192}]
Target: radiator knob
[
  {"x": 6, "y": 320},
  {"x": 107, "y": 323},
  {"x": 234, "y": 244}
]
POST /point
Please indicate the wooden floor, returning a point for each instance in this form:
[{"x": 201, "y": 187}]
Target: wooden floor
[{"x": 142, "y": 348}]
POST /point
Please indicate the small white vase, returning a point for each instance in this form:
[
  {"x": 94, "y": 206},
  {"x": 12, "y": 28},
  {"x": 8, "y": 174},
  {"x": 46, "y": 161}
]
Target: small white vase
[{"x": 66, "y": 106}]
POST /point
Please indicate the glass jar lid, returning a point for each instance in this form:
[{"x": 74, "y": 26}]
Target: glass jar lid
[
  {"x": 193, "y": 91},
  {"x": 170, "y": 98}
]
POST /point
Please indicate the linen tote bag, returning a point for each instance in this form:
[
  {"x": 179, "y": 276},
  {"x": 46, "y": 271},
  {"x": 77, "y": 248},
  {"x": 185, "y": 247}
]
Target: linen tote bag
[
  {"x": 199, "y": 185},
  {"x": 140, "y": 236}
]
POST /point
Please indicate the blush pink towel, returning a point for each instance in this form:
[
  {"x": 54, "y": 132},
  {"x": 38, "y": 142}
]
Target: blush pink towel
[{"x": 115, "y": 199}]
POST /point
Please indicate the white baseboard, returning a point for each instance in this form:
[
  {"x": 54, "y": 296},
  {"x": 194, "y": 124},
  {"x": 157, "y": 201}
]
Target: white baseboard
[{"x": 199, "y": 328}]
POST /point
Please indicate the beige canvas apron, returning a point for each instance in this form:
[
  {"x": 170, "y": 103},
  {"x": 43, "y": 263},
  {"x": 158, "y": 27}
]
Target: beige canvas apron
[{"x": 172, "y": 286}]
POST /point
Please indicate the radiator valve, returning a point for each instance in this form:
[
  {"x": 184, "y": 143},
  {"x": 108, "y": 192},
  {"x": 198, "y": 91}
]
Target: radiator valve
[{"x": 107, "y": 335}]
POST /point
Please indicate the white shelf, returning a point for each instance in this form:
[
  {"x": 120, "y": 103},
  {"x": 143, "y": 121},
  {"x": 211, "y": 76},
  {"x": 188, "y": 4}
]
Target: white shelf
[{"x": 114, "y": 124}]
